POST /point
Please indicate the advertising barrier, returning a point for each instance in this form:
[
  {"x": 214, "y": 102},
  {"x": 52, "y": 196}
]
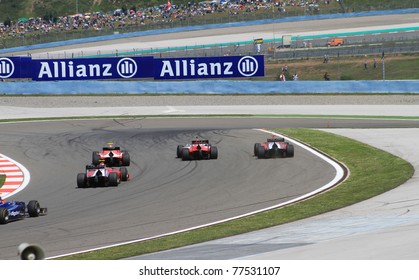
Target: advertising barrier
[{"x": 131, "y": 68}]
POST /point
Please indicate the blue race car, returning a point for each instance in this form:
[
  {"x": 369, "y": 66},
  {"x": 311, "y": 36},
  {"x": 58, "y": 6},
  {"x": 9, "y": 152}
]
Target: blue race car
[{"x": 18, "y": 210}]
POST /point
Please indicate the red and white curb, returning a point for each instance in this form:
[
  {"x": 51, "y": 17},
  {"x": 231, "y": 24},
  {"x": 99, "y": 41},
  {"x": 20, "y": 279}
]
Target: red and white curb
[{"x": 17, "y": 176}]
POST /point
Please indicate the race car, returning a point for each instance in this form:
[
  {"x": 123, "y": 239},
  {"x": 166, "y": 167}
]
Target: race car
[
  {"x": 112, "y": 156},
  {"x": 274, "y": 148},
  {"x": 198, "y": 149},
  {"x": 101, "y": 176},
  {"x": 18, "y": 210}
]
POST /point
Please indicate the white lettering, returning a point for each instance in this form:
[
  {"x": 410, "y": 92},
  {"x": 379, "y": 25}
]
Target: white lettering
[
  {"x": 202, "y": 69},
  {"x": 106, "y": 70},
  {"x": 14, "y": 213},
  {"x": 56, "y": 70},
  {"x": 177, "y": 68},
  {"x": 215, "y": 68},
  {"x": 166, "y": 69},
  {"x": 81, "y": 71},
  {"x": 64, "y": 69},
  {"x": 70, "y": 69},
  {"x": 227, "y": 67},
  {"x": 192, "y": 64},
  {"x": 92, "y": 68},
  {"x": 45, "y": 70},
  {"x": 186, "y": 67}
]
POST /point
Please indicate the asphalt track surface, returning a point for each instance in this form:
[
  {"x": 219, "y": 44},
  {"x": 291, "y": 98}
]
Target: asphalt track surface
[{"x": 164, "y": 194}]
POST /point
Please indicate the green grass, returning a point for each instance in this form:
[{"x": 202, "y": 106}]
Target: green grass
[
  {"x": 397, "y": 67},
  {"x": 2, "y": 179},
  {"x": 372, "y": 172}
]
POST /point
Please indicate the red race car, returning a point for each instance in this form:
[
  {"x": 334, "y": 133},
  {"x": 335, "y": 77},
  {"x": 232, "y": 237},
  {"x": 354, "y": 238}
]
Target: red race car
[
  {"x": 274, "y": 148},
  {"x": 198, "y": 149},
  {"x": 112, "y": 156},
  {"x": 101, "y": 176}
]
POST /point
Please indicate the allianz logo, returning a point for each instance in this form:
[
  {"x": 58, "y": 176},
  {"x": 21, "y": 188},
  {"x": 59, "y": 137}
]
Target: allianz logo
[
  {"x": 247, "y": 66},
  {"x": 125, "y": 68},
  {"x": 7, "y": 67}
]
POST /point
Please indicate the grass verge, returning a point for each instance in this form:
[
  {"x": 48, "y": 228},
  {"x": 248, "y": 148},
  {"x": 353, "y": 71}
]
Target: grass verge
[
  {"x": 373, "y": 172},
  {"x": 2, "y": 179}
]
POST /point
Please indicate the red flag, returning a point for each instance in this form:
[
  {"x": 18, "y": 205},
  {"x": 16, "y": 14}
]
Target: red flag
[{"x": 168, "y": 5}]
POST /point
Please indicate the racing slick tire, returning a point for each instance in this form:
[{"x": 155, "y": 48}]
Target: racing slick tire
[
  {"x": 179, "y": 151},
  {"x": 113, "y": 179},
  {"x": 185, "y": 154},
  {"x": 34, "y": 208},
  {"x": 213, "y": 152},
  {"x": 261, "y": 152},
  {"x": 290, "y": 150},
  {"x": 4, "y": 216},
  {"x": 95, "y": 158},
  {"x": 81, "y": 180},
  {"x": 126, "y": 160},
  {"x": 256, "y": 149},
  {"x": 124, "y": 174}
]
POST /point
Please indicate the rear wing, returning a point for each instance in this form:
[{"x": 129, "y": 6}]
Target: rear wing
[
  {"x": 275, "y": 140},
  {"x": 200, "y": 142},
  {"x": 111, "y": 148}
]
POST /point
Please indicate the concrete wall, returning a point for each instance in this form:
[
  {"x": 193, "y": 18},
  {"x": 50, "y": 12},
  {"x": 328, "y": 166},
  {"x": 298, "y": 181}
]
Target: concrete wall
[{"x": 208, "y": 87}]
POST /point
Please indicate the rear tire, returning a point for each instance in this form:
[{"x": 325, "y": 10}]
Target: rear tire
[
  {"x": 256, "y": 149},
  {"x": 290, "y": 150},
  {"x": 213, "y": 152},
  {"x": 4, "y": 216},
  {"x": 179, "y": 151},
  {"x": 95, "y": 158},
  {"x": 126, "y": 159},
  {"x": 113, "y": 179},
  {"x": 124, "y": 174},
  {"x": 81, "y": 180},
  {"x": 261, "y": 152},
  {"x": 185, "y": 154},
  {"x": 33, "y": 208}
]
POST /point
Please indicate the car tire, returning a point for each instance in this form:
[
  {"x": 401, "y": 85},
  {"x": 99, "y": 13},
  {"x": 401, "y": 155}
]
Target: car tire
[
  {"x": 290, "y": 151},
  {"x": 34, "y": 208},
  {"x": 4, "y": 216},
  {"x": 95, "y": 158},
  {"x": 185, "y": 154},
  {"x": 256, "y": 149},
  {"x": 261, "y": 152},
  {"x": 179, "y": 151},
  {"x": 113, "y": 179},
  {"x": 126, "y": 159},
  {"x": 81, "y": 180},
  {"x": 124, "y": 174},
  {"x": 214, "y": 152}
]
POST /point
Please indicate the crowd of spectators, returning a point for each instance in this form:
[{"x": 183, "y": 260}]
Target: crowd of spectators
[{"x": 121, "y": 18}]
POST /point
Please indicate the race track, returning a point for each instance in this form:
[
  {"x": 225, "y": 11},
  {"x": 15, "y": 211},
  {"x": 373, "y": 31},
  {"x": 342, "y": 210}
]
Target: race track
[{"x": 164, "y": 195}]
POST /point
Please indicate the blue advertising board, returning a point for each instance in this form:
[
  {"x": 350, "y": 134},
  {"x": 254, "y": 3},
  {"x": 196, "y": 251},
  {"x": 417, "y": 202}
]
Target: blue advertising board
[
  {"x": 132, "y": 68},
  {"x": 15, "y": 67},
  {"x": 209, "y": 67},
  {"x": 92, "y": 68}
]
